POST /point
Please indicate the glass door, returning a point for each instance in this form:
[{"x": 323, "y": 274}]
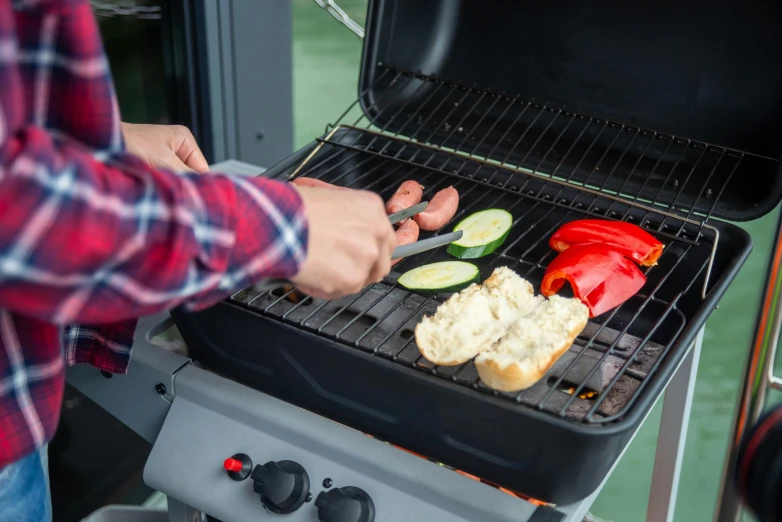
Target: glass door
[{"x": 152, "y": 62}]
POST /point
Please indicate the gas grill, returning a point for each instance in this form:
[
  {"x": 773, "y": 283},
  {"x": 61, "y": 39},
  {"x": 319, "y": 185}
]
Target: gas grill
[
  {"x": 446, "y": 97},
  {"x": 355, "y": 359},
  {"x": 437, "y": 121}
]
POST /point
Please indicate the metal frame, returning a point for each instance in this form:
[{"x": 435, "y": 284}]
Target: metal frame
[
  {"x": 672, "y": 438},
  {"x": 341, "y": 16},
  {"x": 247, "y": 72}
]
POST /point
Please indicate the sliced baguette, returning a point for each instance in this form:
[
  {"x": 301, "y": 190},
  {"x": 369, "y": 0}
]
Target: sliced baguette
[
  {"x": 532, "y": 345},
  {"x": 473, "y": 320}
]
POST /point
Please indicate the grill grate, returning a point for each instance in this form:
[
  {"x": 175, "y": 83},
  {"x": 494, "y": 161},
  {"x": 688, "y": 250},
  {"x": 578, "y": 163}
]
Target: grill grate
[
  {"x": 546, "y": 166},
  {"x": 614, "y": 356}
]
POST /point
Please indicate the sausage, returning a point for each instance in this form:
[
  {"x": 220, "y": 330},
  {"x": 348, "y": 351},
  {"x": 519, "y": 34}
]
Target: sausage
[
  {"x": 440, "y": 210},
  {"x": 294, "y": 295},
  {"x": 408, "y": 194},
  {"x": 312, "y": 182},
  {"x": 406, "y": 234}
]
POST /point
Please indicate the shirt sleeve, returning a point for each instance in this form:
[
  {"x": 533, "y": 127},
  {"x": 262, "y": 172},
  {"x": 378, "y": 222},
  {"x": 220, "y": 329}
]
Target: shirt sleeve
[{"x": 89, "y": 241}]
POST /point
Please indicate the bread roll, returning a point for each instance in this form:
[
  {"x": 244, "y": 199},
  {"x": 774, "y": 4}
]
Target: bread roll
[
  {"x": 473, "y": 320},
  {"x": 532, "y": 345}
]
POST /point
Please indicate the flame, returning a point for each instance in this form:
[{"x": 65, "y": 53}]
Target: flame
[{"x": 472, "y": 477}]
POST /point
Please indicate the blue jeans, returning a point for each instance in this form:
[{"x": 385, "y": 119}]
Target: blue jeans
[{"x": 24, "y": 489}]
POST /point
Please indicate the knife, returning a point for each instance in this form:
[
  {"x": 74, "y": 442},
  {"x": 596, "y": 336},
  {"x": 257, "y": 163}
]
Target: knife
[{"x": 426, "y": 244}]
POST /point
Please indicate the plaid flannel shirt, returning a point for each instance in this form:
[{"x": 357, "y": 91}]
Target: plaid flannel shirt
[{"x": 91, "y": 237}]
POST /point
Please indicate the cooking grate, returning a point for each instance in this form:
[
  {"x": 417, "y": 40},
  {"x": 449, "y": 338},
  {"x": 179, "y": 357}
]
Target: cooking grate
[{"x": 546, "y": 166}]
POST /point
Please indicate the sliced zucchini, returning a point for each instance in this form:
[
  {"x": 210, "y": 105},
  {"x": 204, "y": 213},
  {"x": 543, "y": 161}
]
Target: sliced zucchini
[
  {"x": 484, "y": 232},
  {"x": 445, "y": 276}
]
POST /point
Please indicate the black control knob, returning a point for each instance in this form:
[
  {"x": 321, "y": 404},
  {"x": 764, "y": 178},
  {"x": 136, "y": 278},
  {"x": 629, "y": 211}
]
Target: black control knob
[
  {"x": 283, "y": 486},
  {"x": 348, "y": 504}
]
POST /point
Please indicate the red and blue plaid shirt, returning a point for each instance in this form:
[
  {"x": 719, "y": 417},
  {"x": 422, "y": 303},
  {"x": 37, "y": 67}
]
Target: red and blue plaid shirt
[{"x": 91, "y": 237}]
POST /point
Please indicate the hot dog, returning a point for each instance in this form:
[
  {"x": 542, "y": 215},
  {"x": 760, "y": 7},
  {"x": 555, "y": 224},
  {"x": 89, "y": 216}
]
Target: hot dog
[
  {"x": 440, "y": 210},
  {"x": 408, "y": 194},
  {"x": 312, "y": 182},
  {"x": 406, "y": 234}
]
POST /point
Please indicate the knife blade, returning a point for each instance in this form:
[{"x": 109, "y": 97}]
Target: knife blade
[
  {"x": 396, "y": 217},
  {"x": 426, "y": 244}
]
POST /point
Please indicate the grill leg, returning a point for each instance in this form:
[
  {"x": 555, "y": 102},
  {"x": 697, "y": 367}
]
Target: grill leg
[
  {"x": 672, "y": 437},
  {"x": 670, "y": 446}
]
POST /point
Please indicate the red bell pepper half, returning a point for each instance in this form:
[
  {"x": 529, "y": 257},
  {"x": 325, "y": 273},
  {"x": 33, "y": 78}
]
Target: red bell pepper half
[
  {"x": 600, "y": 276},
  {"x": 629, "y": 240}
]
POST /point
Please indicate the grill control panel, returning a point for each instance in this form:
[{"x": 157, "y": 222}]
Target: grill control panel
[
  {"x": 284, "y": 487},
  {"x": 242, "y": 456}
]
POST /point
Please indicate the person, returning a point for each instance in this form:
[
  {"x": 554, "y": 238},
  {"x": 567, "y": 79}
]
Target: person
[{"x": 103, "y": 222}]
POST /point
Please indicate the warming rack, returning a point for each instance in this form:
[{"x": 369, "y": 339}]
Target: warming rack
[{"x": 533, "y": 125}]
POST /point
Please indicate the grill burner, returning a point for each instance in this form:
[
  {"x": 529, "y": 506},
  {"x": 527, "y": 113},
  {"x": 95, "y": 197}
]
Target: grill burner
[{"x": 546, "y": 166}]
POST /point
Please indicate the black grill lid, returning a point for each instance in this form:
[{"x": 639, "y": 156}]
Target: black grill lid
[{"x": 701, "y": 70}]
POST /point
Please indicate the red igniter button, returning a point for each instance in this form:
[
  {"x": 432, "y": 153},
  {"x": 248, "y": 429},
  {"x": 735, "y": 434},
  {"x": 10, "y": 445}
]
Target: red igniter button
[
  {"x": 232, "y": 465},
  {"x": 238, "y": 466}
]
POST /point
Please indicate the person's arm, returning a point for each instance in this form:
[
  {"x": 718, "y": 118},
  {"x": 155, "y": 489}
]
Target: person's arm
[
  {"x": 90, "y": 241},
  {"x": 84, "y": 241}
]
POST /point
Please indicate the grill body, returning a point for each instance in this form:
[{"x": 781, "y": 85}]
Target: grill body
[
  {"x": 434, "y": 87},
  {"x": 378, "y": 383}
]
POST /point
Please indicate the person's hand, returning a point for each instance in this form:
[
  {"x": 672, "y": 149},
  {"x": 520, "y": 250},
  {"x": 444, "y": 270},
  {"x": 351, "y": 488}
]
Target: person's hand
[
  {"x": 350, "y": 242},
  {"x": 170, "y": 147}
]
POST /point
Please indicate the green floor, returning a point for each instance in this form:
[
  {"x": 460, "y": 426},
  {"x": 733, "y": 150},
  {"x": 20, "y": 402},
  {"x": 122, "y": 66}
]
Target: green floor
[{"x": 326, "y": 58}]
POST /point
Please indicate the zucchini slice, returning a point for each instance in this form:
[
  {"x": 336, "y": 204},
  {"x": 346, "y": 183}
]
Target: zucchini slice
[
  {"x": 445, "y": 276},
  {"x": 484, "y": 232}
]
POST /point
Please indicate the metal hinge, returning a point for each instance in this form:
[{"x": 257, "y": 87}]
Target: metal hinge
[
  {"x": 341, "y": 16},
  {"x": 110, "y": 10}
]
